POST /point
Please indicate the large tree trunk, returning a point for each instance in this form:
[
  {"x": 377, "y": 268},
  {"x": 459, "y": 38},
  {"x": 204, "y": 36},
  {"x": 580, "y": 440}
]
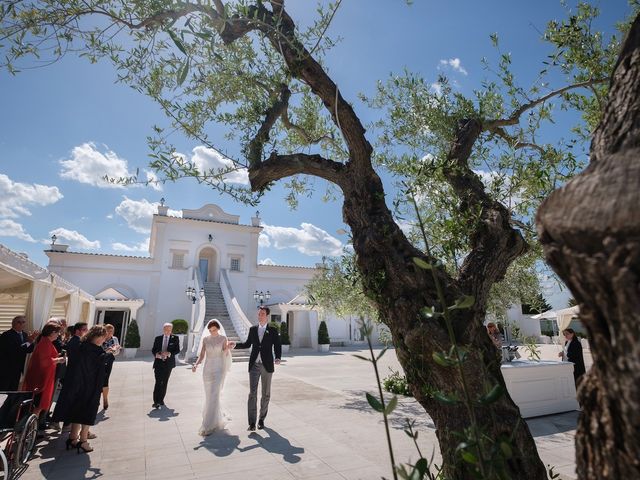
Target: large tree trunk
[
  {"x": 590, "y": 230},
  {"x": 401, "y": 290}
]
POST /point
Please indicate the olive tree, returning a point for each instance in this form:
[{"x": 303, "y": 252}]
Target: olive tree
[{"x": 247, "y": 67}]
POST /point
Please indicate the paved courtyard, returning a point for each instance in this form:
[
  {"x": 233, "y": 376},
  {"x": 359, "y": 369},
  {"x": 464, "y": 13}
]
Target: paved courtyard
[{"x": 319, "y": 427}]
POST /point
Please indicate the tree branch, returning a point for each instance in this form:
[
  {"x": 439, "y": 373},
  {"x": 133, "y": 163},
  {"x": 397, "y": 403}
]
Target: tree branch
[
  {"x": 277, "y": 167},
  {"x": 493, "y": 243},
  {"x": 515, "y": 116},
  {"x": 514, "y": 142},
  {"x": 304, "y": 134},
  {"x": 256, "y": 145}
]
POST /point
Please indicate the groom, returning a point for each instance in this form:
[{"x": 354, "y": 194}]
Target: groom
[{"x": 263, "y": 340}]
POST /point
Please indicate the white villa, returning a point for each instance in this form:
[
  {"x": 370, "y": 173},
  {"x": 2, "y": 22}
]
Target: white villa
[{"x": 210, "y": 252}]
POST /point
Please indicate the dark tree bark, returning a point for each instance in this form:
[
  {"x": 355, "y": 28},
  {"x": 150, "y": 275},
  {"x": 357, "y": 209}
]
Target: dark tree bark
[{"x": 590, "y": 230}]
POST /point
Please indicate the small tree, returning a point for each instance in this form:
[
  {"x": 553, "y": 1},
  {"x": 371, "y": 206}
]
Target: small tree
[
  {"x": 132, "y": 340},
  {"x": 323, "y": 334},
  {"x": 180, "y": 326},
  {"x": 539, "y": 305},
  {"x": 284, "y": 333}
]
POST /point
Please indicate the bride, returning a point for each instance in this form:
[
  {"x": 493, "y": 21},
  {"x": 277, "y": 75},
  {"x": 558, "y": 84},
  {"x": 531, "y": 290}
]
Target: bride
[{"x": 215, "y": 350}]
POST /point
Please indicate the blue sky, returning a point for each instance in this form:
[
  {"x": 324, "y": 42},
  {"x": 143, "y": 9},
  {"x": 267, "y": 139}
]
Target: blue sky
[{"x": 62, "y": 124}]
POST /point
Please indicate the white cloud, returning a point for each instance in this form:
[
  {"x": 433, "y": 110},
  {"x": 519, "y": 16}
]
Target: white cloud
[
  {"x": 15, "y": 197},
  {"x": 206, "y": 159},
  {"x": 502, "y": 183},
  {"x": 110, "y": 216},
  {"x": 75, "y": 239},
  {"x": 9, "y": 228},
  {"x": 152, "y": 178},
  {"x": 437, "y": 88},
  {"x": 266, "y": 261},
  {"x": 455, "y": 64},
  {"x": 309, "y": 240},
  {"x": 263, "y": 240},
  {"x": 88, "y": 165},
  {"x": 138, "y": 213},
  {"x": 142, "y": 246}
]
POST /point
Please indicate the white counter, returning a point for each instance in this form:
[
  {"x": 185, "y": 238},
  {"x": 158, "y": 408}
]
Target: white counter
[{"x": 540, "y": 388}]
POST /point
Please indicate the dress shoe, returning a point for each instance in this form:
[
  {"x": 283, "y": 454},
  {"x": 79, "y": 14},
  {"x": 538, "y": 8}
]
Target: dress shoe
[
  {"x": 252, "y": 428},
  {"x": 260, "y": 424},
  {"x": 155, "y": 405}
]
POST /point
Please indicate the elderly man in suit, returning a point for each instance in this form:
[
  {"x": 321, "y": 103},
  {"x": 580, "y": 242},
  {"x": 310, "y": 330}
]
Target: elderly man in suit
[
  {"x": 165, "y": 348},
  {"x": 14, "y": 346},
  {"x": 264, "y": 342}
]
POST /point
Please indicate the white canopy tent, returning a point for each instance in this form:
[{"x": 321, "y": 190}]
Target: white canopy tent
[{"x": 562, "y": 317}]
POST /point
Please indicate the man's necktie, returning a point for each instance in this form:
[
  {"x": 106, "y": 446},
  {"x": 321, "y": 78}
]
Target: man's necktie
[{"x": 165, "y": 343}]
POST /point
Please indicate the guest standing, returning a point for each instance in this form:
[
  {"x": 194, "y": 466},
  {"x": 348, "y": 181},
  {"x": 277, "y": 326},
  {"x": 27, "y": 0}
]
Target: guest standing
[
  {"x": 572, "y": 352},
  {"x": 80, "y": 397},
  {"x": 80, "y": 329},
  {"x": 165, "y": 348},
  {"x": 41, "y": 372},
  {"x": 494, "y": 334},
  {"x": 110, "y": 345},
  {"x": 14, "y": 346}
]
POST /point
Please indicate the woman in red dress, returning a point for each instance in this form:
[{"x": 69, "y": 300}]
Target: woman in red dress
[{"x": 41, "y": 372}]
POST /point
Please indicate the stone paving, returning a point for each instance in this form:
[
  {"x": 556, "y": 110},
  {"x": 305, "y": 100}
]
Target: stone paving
[{"x": 319, "y": 427}]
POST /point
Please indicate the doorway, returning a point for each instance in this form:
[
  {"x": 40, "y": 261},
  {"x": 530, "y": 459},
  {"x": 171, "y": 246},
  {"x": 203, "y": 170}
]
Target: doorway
[
  {"x": 207, "y": 265},
  {"x": 117, "y": 319},
  {"x": 204, "y": 269}
]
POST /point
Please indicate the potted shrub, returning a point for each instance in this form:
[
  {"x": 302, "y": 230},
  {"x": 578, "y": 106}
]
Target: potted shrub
[
  {"x": 132, "y": 340},
  {"x": 323, "y": 337},
  {"x": 284, "y": 337},
  {"x": 181, "y": 329}
]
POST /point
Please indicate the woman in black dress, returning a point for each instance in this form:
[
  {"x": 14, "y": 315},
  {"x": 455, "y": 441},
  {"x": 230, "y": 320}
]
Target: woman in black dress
[
  {"x": 80, "y": 397},
  {"x": 572, "y": 352},
  {"x": 110, "y": 345}
]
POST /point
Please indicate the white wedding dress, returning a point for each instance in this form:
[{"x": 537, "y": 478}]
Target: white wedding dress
[{"x": 216, "y": 365}]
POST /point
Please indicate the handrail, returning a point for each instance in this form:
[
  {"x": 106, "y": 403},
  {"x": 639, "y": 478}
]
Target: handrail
[
  {"x": 240, "y": 321},
  {"x": 200, "y": 308}
]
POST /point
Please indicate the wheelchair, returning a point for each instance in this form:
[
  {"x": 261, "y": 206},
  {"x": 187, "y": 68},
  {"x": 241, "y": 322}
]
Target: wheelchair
[{"x": 18, "y": 431}]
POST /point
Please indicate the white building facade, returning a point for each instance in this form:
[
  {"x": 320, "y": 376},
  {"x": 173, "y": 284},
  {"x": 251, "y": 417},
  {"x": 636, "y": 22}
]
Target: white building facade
[{"x": 210, "y": 251}]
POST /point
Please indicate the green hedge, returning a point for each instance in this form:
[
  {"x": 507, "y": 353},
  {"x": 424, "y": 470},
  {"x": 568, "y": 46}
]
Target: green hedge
[
  {"x": 323, "y": 334},
  {"x": 284, "y": 334},
  {"x": 132, "y": 340},
  {"x": 180, "y": 326}
]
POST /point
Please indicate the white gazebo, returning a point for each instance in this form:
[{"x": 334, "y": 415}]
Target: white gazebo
[{"x": 562, "y": 317}]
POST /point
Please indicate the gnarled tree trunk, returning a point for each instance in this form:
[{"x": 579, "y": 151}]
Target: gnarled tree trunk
[{"x": 590, "y": 230}]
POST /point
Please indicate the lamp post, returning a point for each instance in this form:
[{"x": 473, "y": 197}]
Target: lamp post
[
  {"x": 192, "y": 294},
  {"x": 261, "y": 296}
]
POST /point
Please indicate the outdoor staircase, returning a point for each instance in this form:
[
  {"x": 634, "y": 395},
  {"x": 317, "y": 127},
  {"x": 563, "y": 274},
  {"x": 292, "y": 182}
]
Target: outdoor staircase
[{"x": 216, "y": 308}]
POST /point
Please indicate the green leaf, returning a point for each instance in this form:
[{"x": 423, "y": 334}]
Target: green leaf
[
  {"x": 362, "y": 358},
  {"x": 463, "y": 302},
  {"x": 469, "y": 457},
  {"x": 429, "y": 312},
  {"x": 384, "y": 350},
  {"x": 177, "y": 41},
  {"x": 422, "y": 264},
  {"x": 442, "y": 398},
  {"x": 492, "y": 395},
  {"x": 182, "y": 73},
  {"x": 422, "y": 466},
  {"x": 507, "y": 451},
  {"x": 374, "y": 402},
  {"x": 391, "y": 406},
  {"x": 442, "y": 359}
]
